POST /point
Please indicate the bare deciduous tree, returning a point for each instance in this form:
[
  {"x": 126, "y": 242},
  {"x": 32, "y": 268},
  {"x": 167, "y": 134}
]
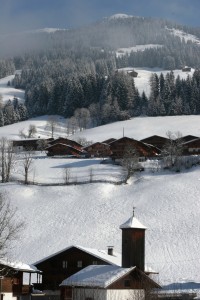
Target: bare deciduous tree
[
  {"x": 32, "y": 130},
  {"x": 83, "y": 117},
  {"x": 27, "y": 162},
  {"x": 51, "y": 125},
  {"x": 130, "y": 161},
  {"x": 9, "y": 226},
  {"x": 66, "y": 175},
  {"x": 72, "y": 125},
  {"x": 6, "y": 159},
  {"x": 173, "y": 148},
  {"x": 22, "y": 134}
]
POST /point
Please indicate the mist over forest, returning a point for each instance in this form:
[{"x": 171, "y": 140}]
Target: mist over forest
[{"x": 70, "y": 71}]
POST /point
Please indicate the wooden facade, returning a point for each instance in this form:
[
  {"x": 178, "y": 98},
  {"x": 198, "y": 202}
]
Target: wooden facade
[
  {"x": 11, "y": 281},
  {"x": 63, "y": 149},
  {"x": 120, "y": 146},
  {"x": 133, "y": 248},
  {"x": 192, "y": 147},
  {"x": 98, "y": 150},
  {"x": 65, "y": 263},
  {"x": 66, "y": 141},
  {"x": 188, "y": 138},
  {"x": 155, "y": 140}
]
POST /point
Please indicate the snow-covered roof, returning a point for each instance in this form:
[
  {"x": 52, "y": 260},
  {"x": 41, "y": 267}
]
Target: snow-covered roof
[
  {"x": 133, "y": 223},
  {"x": 97, "y": 275},
  {"x": 114, "y": 259},
  {"x": 19, "y": 266}
]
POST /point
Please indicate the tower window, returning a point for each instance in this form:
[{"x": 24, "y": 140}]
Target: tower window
[
  {"x": 64, "y": 263},
  {"x": 127, "y": 283},
  {"x": 79, "y": 263}
]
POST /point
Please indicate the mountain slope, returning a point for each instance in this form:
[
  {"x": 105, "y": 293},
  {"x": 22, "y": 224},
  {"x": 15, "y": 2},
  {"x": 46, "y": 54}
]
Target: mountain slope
[{"x": 90, "y": 215}]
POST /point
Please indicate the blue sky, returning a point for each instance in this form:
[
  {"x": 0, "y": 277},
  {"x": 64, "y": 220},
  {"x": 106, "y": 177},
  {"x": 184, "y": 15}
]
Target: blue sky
[{"x": 27, "y": 14}]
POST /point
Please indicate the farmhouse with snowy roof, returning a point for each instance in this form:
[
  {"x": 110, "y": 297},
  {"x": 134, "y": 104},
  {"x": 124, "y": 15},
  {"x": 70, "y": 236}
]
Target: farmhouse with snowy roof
[
  {"x": 12, "y": 280},
  {"x": 70, "y": 260},
  {"x": 108, "y": 282},
  {"x": 98, "y": 150},
  {"x": 120, "y": 146}
]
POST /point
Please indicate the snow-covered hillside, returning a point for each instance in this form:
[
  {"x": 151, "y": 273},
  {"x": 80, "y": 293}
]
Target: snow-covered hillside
[
  {"x": 185, "y": 36},
  {"x": 90, "y": 215},
  {"x": 122, "y": 51},
  {"x": 9, "y": 92},
  {"x": 144, "y": 74}
]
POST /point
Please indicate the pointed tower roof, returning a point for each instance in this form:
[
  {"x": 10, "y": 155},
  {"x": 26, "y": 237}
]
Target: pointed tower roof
[{"x": 132, "y": 223}]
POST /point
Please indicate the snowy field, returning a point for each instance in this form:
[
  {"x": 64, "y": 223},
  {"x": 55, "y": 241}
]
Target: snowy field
[
  {"x": 90, "y": 215},
  {"x": 9, "y": 92},
  {"x": 167, "y": 203},
  {"x": 123, "y": 51}
]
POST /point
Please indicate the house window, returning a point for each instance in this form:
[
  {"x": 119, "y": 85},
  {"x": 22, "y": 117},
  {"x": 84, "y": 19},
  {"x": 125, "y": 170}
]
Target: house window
[
  {"x": 94, "y": 262},
  {"x": 127, "y": 283},
  {"x": 64, "y": 263},
  {"x": 79, "y": 263}
]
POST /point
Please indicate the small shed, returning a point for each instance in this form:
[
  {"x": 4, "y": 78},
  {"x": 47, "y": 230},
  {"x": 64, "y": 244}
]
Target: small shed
[{"x": 107, "y": 282}]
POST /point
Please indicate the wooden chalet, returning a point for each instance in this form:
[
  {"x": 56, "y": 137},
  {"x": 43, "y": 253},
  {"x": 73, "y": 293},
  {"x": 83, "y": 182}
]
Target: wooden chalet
[
  {"x": 192, "y": 147},
  {"x": 132, "y": 73},
  {"x": 188, "y": 138},
  {"x": 120, "y": 146},
  {"x": 28, "y": 144},
  {"x": 12, "y": 281},
  {"x": 155, "y": 140},
  {"x": 98, "y": 150},
  {"x": 186, "y": 69},
  {"x": 64, "y": 150},
  {"x": 66, "y": 141},
  {"x": 106, "y": 282},
  {"x": 70, "y": 260}
]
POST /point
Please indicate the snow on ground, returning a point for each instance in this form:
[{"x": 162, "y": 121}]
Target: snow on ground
[
  {"x": 142, "y": 127},
  {"x": 51, "y": 170},
  {"x": 90, "y": 215},
  {"x": 123, "y": 51},
  {"x": 137, "y": 128},
  {"x": 144, "y": 74},
  {"x": 184, "y": 36},
  {"x": 9, "y": 92}
]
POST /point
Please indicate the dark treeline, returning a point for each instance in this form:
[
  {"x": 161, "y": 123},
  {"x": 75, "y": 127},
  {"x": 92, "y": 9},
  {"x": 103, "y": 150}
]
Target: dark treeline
[
  {"x": 12, "y": 112},
  {"x": 7, "y": 67},
  {"x": 72, "y": 69}
]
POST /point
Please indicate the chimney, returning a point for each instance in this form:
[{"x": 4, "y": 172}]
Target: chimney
[{"x": 110, "y": 250}]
